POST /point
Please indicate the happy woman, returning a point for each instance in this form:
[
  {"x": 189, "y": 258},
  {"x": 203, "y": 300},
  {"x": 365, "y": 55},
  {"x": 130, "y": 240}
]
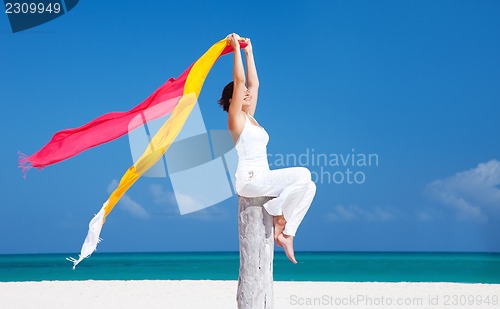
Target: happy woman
[{"x": 292, "y": 187}]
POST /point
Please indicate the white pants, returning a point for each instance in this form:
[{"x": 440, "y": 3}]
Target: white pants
[{"x": 293, "y": 188}]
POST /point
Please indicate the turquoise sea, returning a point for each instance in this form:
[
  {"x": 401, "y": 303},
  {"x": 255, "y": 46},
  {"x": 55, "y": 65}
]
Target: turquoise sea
[{"x": 313, "y": 266}]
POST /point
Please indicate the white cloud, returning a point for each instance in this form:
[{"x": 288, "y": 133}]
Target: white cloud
[
  {"x": 165, "y": 201},
  {"x": 473, "y": 194},
  {"x": 128, "y": 203},
  {"x": 204, "y": 213},
  {"x": 169, "y": 202},
  {"x": 188, "y": 202},
  {"x": 160, "y": 196},
  {"x": 168, "y": 206},
  {"x": 209, "y": 214},
  {"x": 424, "y": 216},
  {"x": 354, "y": 212}
]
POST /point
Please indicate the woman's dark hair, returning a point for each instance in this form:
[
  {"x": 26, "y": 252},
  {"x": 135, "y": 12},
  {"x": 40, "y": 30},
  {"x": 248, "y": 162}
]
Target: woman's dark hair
[{"x": 227, "y": 94}]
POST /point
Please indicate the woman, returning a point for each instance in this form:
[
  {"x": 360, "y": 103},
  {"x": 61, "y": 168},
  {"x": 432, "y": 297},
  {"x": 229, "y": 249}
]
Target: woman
[{"x": 293, "y": 188}]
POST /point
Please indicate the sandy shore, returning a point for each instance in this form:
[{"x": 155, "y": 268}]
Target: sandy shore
[{"x": 222, "y": 294}]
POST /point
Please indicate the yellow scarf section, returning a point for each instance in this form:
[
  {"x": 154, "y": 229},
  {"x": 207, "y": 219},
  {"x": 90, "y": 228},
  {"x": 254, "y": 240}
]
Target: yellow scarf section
[{"x": 157, "y": 147}]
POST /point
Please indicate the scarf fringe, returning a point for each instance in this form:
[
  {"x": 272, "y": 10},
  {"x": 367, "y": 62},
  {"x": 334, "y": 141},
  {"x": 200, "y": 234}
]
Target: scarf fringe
[
  {"x": 24, "y": 163},
  {"x": 92, "y": 239}
]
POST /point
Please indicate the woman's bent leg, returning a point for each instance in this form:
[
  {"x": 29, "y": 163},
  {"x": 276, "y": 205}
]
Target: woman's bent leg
[
  {"x": 294, "y": 191},
  {"x": 295, "y": 213}
]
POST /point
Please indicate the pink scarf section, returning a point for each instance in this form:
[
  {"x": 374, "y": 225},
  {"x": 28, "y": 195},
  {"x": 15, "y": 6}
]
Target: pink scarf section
[{"x": 70, "y": 142}]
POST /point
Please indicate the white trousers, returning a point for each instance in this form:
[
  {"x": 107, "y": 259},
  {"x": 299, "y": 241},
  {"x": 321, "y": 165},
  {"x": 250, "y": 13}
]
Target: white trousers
[{"x": 293, "y": 188}]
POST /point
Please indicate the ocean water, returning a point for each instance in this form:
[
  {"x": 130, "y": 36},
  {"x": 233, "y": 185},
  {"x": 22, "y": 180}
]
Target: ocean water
[{"x": 312, "y": 266}]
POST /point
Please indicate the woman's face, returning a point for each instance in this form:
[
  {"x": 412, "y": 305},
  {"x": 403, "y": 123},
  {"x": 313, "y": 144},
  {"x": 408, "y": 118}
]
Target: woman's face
[{"x": 247, "y": 98}]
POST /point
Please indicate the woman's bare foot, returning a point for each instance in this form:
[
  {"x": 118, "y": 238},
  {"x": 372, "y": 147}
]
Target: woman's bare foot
[
  {"x": 279, "y": 226},
  {"x": 287, "y": 242}
]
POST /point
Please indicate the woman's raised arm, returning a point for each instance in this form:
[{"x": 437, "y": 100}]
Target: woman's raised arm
[
  {"x": 235, "y": 118},
  {"x": 252, "y": 77}
]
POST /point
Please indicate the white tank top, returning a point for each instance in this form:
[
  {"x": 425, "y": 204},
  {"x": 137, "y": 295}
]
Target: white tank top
[{"x": 252, "y": 152}]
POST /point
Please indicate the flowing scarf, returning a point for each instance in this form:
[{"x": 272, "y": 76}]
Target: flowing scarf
[
  {"x": 177, "y": 96},
  {"x": 70, "y": 142}
]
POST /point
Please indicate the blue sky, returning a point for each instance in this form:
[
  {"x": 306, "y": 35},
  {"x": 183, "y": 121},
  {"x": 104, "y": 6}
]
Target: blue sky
[{"x": 414, "y": 83}]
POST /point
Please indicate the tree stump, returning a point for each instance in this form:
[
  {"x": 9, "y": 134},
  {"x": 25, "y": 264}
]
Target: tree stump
[{"x": 256, "y": 234}]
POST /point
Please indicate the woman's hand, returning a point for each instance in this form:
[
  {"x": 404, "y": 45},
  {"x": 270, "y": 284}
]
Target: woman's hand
[
  {"x": 233, "y": 39},
  {"x": 248, "y": 49}
]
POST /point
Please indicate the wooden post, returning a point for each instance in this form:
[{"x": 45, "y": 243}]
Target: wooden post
[{"x": 256, "y": 233}]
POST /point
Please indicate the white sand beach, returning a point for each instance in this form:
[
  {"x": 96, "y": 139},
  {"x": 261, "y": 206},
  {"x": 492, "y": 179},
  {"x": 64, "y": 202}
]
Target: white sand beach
[{"x": 191, "y": 294}]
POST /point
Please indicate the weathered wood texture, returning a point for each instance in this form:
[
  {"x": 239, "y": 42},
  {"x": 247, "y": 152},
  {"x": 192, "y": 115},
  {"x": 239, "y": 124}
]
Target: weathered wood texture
[{"x": 255, "y": 281}]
